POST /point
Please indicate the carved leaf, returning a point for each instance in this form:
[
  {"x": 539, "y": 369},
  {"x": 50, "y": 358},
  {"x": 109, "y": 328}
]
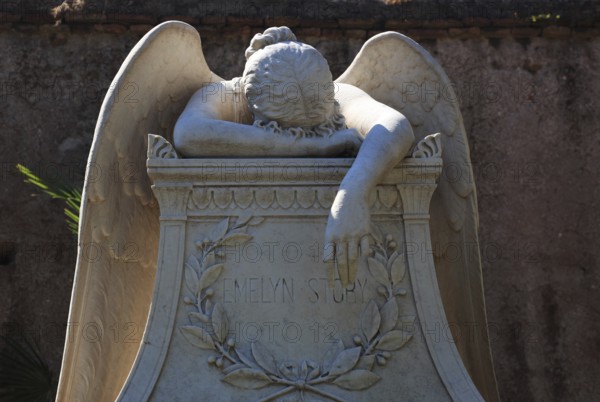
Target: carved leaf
[
  {"x": 191, "y": 279},
  {"x": 220, "y": 230},
  {"x": 193, "y": 262},
  {"x": 236, "y": 238},
  {"x": 210, "y": 258},
  {"x": 243, "y": 219},
  {"x": 335, "y": 349},
  {"x": 345, "y": 361},
  {"x": 198, "y": 337},
  {"x": 220, "y": 322},
  {"x": 393, "y": 340},
  {"x": 232, "y": 368},
  {"x": 365, "y": 362},
  {"x": 198, "y": 318},
  {"x": 370, "y": 320},
  {"x": 257, "y": 220},
  {"x": 389, "y": 316},
  {"x": 313, "y": 370},
  {"x": 391, "y": 260},
  {"x": 207, "y": 305},
  {"x": 290, "y": 370},
  {"x": 376, "y": 233},
  {"x": 357, "y": 380},
  {"x": 264, "y": 358},
  {"x": 247, "y": 361},
  {"x": 378, "y": 271},
  {"x": 247, "y": 378},
  {"x": 209, "y": 276},
  {"x": 303, "y": 369},
  {"x": 381, "y": 258},
  {"x": 398, "y": 269}
]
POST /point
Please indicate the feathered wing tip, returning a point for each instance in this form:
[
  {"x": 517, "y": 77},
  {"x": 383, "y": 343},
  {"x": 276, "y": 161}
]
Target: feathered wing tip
[
  {"x": 119, "y": 228},
  {"x": 396, "y": 71}
]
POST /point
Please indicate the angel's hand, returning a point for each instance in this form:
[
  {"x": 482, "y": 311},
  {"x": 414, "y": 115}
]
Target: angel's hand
[{"x": 346, "y": 236}]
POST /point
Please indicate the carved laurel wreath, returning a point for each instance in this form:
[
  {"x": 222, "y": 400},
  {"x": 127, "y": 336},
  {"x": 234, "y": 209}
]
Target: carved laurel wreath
[{"x": 349, "y": 367}]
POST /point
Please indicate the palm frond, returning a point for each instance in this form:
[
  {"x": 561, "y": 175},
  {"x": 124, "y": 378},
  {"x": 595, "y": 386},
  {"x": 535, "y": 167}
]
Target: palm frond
[
  {"x": 56, "y": 189},
  {"x": 24, "y": 375}
]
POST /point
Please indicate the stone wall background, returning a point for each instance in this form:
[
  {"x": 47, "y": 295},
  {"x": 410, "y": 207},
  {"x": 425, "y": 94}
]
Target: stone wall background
[{"x": 529, "y": 94}]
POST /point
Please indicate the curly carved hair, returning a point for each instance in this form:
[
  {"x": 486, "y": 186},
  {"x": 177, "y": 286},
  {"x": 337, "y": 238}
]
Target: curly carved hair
[{"x": 289, "y": 86}]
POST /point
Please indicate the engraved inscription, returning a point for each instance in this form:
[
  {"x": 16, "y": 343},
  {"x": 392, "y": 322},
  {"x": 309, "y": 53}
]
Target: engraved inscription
[
  {"x": 258, "y": 290},
  {"x": 255, "y": 367}
]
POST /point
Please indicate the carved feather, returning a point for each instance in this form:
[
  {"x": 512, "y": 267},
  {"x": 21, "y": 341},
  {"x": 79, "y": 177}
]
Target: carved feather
[
  {"x": 395, "y": 70},
  {"x": 119, "y": 216}
]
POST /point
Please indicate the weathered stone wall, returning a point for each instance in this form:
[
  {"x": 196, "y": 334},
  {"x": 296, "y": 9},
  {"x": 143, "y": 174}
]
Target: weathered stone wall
[{"x": 529, "y": 97}]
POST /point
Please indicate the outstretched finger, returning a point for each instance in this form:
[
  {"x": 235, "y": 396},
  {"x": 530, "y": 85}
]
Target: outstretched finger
[
  {"x": 341, "y": 261},
  {"x": 365, "y": 246},
  {"x": 329, "y": 252},
  {"x": 329, "y": 260},
  {"x": 352, "y": 260}
]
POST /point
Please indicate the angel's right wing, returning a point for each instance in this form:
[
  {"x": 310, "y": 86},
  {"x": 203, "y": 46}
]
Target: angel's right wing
[
  {"x": 396, "y": 71},
  {"x": 119, "y": 226}
]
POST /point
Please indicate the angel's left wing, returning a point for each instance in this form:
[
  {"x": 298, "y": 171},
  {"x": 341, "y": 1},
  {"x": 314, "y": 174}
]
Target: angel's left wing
[
  {"x": 119, "y": 228},
  {"x": 396, "y": 71}
]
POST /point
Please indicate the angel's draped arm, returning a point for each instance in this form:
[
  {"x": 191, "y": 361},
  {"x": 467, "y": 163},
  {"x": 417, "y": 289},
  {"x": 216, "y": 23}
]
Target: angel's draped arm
[
  {"x": 387, "y": 138},
  {"x": 207, "y": 127}
]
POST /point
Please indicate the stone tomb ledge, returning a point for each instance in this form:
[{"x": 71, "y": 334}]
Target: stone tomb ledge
[{"x": 243, "y": 308}]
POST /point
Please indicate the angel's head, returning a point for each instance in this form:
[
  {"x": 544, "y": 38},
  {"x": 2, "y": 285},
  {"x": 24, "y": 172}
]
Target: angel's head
[{"x": 289, "y": 83}]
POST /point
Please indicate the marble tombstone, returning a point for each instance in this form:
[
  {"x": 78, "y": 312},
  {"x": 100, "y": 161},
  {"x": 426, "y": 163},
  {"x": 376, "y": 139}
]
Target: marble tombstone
[{"x": 279, "y": 236}]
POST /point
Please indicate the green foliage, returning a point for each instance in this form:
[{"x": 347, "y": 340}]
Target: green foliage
[
  {"x": 542, "y": 17},
  {"x": 56, "y": 189},
  {"x": 24, "y": 375}
]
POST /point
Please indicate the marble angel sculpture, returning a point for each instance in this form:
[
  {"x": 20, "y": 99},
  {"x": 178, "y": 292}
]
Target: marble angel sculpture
[{"x": 285, "y": 104}]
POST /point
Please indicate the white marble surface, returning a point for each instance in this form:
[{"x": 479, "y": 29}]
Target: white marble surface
[{"x": 243, "y": 309}]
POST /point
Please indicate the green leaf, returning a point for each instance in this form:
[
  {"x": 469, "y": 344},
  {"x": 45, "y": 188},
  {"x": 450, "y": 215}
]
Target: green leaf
[
  {"x": 58, "y": 190},
  {"x": 357, "y": 380},
  {"x": 247, "y": 378},
  {"x": 370, "y": 320},
  {"x": 198, "y": 337},
  {"x": 393, "y": 340},
  {"x": 378, "y": 271},
  {"x": 24, "y": 374}
]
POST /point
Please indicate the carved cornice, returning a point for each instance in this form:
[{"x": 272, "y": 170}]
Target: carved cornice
[
  {"x": 278, "y": 199},
  {"x": 271, "y": 186}
]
